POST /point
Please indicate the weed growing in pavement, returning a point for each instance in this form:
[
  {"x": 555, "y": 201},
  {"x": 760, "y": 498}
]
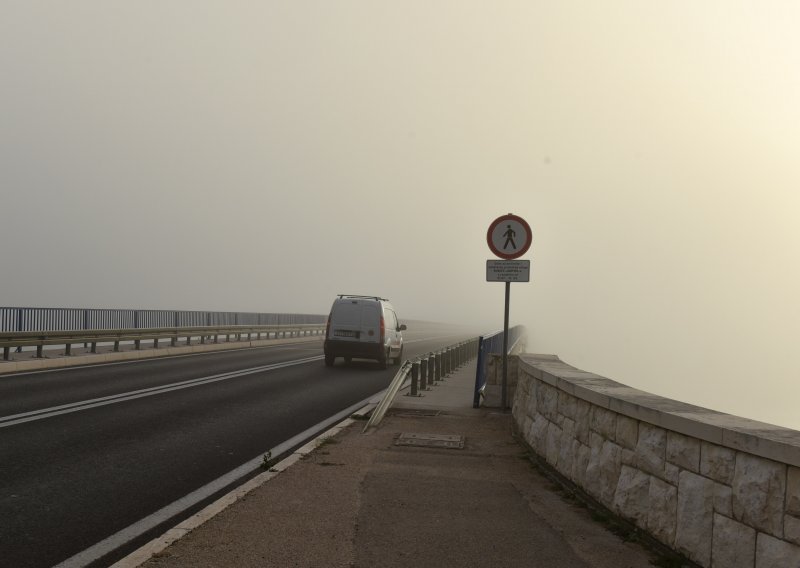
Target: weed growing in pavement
[{"x": 267, "y": 462}]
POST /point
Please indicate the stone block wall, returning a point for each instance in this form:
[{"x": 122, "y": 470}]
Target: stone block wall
[{"x": 720, "y": 489}]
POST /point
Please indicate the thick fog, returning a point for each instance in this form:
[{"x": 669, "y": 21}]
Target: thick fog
[{"x": 265, "y": 156}]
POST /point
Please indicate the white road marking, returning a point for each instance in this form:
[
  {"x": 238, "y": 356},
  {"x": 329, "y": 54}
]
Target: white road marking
[{"x": 152, "y": 391}]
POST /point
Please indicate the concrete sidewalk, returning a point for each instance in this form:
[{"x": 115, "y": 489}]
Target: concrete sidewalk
[{"x": 363, "y": 500}]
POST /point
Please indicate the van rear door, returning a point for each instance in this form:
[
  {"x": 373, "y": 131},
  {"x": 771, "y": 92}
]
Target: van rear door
[{"x": 354, "y": 320}]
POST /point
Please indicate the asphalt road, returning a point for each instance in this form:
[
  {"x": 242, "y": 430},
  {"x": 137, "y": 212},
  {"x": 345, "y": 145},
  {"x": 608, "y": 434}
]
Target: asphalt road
[{"x": 88, "y": 452}]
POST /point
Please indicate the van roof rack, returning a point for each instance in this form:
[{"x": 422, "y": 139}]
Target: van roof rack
[{"x": 365, "y": 297}]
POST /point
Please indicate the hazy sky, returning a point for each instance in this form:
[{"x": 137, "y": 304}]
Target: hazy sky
[{"x": 265, "y": 156}]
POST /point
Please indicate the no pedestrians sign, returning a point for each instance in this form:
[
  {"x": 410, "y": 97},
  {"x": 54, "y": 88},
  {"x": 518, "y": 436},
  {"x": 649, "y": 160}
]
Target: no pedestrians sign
[{"x": 509, "y": 236}]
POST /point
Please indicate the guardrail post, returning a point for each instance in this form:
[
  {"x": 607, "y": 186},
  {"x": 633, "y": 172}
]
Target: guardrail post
[
  {"x": 6, "y": 353},
  {"x": 423, "y": 374},
  {"x": 94, "y": 347},
  {"x": 438, "y": 359},
  {"x": 116, "y": 345},
  {"x": 414, "y": 379},
  {"x": 155, "y": 343},
  {"x": 68, "y": 349},
  {"x": 137, "y": 344}
]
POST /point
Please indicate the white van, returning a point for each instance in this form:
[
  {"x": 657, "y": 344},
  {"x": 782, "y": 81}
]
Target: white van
[{"x": 364, "y": 327}]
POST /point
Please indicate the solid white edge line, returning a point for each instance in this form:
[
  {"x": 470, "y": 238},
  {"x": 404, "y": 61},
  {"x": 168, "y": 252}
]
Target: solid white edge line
[
  {"x": 144, "y": 553},
  {"x": 43, "y": 413}
]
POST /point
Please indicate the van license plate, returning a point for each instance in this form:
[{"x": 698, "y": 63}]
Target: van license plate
[{"x": 344, "y": 333}]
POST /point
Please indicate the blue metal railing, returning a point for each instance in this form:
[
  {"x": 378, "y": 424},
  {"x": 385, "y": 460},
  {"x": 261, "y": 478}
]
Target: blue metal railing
[
  {"x": 492, "y": 343},
  {"x": 67, "y": 319}
]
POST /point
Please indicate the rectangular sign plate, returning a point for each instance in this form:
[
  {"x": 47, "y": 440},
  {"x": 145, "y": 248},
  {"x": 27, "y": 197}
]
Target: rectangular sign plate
[{"x": 508, "y": 270}]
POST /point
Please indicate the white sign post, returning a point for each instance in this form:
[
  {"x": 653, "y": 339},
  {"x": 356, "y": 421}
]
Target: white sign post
[{"x": 508, "y": 237}]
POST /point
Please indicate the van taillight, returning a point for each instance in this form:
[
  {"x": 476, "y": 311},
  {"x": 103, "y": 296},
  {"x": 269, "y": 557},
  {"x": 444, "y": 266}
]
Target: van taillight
[
  {"x": 383, "y": 329},
  {"x": 328, "y": 328}
]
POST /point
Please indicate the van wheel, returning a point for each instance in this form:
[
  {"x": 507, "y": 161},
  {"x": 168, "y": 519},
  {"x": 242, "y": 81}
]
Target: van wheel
[
  {"x": 329, "y": 359},
  {"x": 399, "y": 358},
  {"x": 384, "y": 360}
]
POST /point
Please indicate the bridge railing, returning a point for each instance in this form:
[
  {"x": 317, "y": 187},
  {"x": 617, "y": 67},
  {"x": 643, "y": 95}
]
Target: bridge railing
[
  {"x": 426, "y": 370},
  {"x": 39, "y": 339},
  {"x": 70, "y": 319},
  {"x": 492, "y": 343}
]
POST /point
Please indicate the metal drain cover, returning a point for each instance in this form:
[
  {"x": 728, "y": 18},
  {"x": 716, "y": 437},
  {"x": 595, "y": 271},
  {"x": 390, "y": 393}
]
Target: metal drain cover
[{"x": 431, "y": 441}]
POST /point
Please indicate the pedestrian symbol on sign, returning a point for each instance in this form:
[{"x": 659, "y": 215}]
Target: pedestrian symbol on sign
[{"x": 509, "y": 235}]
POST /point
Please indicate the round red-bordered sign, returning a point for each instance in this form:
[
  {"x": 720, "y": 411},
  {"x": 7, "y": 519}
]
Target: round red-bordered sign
[{"x": 509, "y": 236}]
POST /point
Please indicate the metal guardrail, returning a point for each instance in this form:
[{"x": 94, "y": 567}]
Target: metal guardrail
[
  {"x": 62, "y": 319},
  {"x": 492, "y": 343},
  {"x": 40, "y": 339},
  {"x": 427, "y": 370}
]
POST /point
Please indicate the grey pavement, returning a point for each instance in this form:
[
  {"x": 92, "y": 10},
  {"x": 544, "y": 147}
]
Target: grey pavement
[{"x": 361, "y": 500}]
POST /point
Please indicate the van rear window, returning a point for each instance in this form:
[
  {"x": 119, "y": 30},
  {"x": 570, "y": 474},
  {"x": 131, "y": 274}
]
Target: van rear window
[
  {"x": 347, "y": 314},
  {"x": 356, "y": 315}
]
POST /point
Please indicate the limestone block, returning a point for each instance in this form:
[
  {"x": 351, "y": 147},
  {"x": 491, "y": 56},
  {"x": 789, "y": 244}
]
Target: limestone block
[
  {"x": 547, "y": 401},
  {"x": 627, "y": 433},
  {"x": 683, "y": 451},
  {"x": 566, "y": 454},
  {"x": 553, "y": 444},
  {"x": 567, "y": 405},
  {"x": 604, "y": 422},
  {"x": 632, "y": 497},
  {"x": 672, "y": 473},
  {"x": 734, "y": 544},
  {"x": 538, "y": 434},
  {"x": 524, "y": 423},
  {"x": 592, "y": 477},
  {"x": 774, "y": 553},
  {"x": 524, "y": 385},
  {"x": 582, "y": 411},
  {"x": 662, "y": 513},
  {"x": 759, "y": 486},
  {"x": 610, "y": 466},
  {"x": 652, "y": 448},
  {"x": 533, "y": 384},
  {"x": 717, "y": 462},
  {"x": 568, "y": 426},
  {"x": 629, "y": 457},
  {"x": 723, "y": 499},
  {"x": 695, "y": 517},
  {"x": 517, "y": 407},
  {"x": 791, "y": 529},
  {"x": 793, "y": 491},
  {"x": 581, "y": 463}
]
